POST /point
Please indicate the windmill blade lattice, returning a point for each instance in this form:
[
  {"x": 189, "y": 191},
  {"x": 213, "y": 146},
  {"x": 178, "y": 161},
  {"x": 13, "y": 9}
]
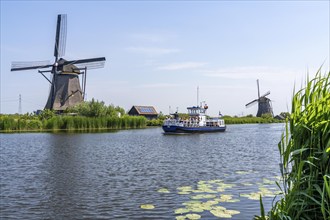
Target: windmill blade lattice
[
  {"x": 266, "y": 94},
  {"x": 251, "y": 103},
  {"x": 29, "y": 65},
  {"x": 93, "y": 63},
  {"x": 60, "y": 38}
]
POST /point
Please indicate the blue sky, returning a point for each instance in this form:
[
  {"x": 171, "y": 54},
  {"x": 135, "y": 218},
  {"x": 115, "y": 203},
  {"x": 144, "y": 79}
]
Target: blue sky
[{"x": 158, "y": 52}]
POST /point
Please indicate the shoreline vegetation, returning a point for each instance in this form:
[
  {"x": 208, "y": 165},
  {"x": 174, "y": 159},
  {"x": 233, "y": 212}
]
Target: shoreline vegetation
[
  {"x": 305, "y": 156},
  {"x": 48, "y": 121},
  {"x": 86, "y": 117},
  {"x": 96, "y": 116}
]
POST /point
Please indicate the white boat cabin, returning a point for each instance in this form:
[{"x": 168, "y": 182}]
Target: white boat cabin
[{"x": 197, "y": 118}]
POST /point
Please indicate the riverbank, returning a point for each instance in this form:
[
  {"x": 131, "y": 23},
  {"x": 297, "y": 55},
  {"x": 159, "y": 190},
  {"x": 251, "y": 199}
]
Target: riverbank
[{"x": 63, "y": 123}]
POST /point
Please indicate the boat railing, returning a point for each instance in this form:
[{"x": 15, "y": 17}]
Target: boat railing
[
  {"x": 172, "y": 122},
  {"x": 215, "y": 122},
  {"x": 195, "y": 123},
  {"x": 182, "y": 123}
]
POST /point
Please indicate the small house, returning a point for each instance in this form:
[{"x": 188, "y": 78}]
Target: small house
[
  {"x": 279, "y": 117},
  {"x": 147, "y": 111}
]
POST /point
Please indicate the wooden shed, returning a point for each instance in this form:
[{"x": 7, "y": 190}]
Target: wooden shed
[{"x": 147, "y": 111}]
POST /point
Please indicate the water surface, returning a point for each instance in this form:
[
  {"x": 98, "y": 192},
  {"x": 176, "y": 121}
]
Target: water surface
[{"x": 109, "y": 175}]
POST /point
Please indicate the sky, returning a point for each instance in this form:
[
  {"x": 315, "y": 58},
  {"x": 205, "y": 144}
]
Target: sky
[{"x": 159, "y": 52}]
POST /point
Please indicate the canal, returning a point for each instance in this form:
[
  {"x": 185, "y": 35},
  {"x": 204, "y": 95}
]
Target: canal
[{"x": 110, "y": 175}]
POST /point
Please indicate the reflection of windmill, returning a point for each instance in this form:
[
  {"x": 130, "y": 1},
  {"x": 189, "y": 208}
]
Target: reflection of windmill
[
  {"x": 65, "y": 88},
  {"x": 264, "y": 103}
]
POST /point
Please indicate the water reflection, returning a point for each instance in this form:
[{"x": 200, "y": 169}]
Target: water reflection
[{"x": 63, "y": 176}]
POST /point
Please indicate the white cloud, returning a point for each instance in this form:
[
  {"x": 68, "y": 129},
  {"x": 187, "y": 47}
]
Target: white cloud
[
  {"x": 254, "y": 72},
  {"x": 152, "y": 50},
  {"x": 180, "y": 66}
]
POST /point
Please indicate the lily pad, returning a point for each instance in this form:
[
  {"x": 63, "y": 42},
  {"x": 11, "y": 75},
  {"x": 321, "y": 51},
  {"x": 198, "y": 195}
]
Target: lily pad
[
  {"x": 220, "y": 213},
  {"x": 147, "y": 206},
  {"x": 196, "y": 209},
  {"x": 268, "y": 182},
  {"x": 180, "y": 217},
  {"x": 183, "y": 193},
  {"x": 242, "y": 172},
  {"x": 215, "y": 181},
  {"x": 232, "y": 212},
  {"x": 225, "y": 198},
  {"x": 192, "y": 203},
  {"x": 198, "y": 191},
  {"x": 163, "y": 190},
  {"x": 266, "y": 192},
  {"x": 212, "y": 202},
  {"x": 219, "y": 208},
  {"x": 203, "y": 196},
  {"x": 233, "y": 200},
  {"x": 252, "y": 196},
  {"x": 193, "y": 216},
  {"x": 184, "y": 188},
  {"x": 220, "y": 189},
  {"x": 181, "y": 211},
  {"x": 206, "y": 206},
  {"x": 225, "y": 185}
]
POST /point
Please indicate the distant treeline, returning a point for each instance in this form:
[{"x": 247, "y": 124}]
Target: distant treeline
[
  {"x": 88, "y": 116},
  {"x": 251, "y": 119}
]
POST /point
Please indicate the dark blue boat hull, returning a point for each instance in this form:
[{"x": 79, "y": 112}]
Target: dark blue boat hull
[{"x": 179, "y": 129}]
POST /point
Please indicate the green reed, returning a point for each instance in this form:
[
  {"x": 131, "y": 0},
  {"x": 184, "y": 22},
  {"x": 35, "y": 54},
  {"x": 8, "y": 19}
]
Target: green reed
[
  {"x": 10, "y": 123},
  {"x": 305, "y": 153}
]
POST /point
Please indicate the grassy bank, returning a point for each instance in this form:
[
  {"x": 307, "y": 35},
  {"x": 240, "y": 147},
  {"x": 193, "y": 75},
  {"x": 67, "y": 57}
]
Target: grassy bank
[
  {"x": 16, "y": 123},
  {"x": 88, "y": 116},
  {"x": 305, "y": 156}
]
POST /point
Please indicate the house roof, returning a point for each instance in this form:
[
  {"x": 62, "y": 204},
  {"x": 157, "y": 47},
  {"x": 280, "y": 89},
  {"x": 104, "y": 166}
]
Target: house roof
[{"x": 145, "y": 110}]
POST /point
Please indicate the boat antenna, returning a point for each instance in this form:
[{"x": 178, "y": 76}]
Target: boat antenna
[{"x": 197, "y": 96}]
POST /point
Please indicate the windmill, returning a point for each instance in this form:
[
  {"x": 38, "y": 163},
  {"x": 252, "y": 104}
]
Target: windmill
[
  {"x": 264, "y": 103},
  {"x": 65, "y": 89}
]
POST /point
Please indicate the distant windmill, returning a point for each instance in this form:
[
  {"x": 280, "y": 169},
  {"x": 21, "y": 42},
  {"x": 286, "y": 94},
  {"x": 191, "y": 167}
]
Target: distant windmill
[
  {"x": 264, "y": 103},
  {"x": 65, "y": 88}
]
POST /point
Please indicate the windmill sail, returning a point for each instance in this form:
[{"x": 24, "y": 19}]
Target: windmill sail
[
  {"x": 251, "y": 103},
  {"x": 20, "y": 65},
  {"x": 92, "y": 63},
  {"x": 60, "y": 38},
  {"x": 266, "y": 94}
]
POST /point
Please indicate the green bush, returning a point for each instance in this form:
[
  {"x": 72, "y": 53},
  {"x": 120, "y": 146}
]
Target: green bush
[{"x": 96, "y": 109}]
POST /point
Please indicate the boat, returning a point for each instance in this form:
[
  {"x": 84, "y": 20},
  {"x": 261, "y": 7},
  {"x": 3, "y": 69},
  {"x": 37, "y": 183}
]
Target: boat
[{"x": 197, "y": 122}]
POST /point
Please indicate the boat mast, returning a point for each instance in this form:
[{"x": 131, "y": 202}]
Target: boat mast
[{"x": 197, "y": 96}]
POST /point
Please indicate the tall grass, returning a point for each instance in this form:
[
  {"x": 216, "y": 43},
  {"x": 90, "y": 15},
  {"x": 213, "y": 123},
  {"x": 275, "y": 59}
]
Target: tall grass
[
  {"x": 70, "y": 123},
  {"x": 305, "y": 155}
]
